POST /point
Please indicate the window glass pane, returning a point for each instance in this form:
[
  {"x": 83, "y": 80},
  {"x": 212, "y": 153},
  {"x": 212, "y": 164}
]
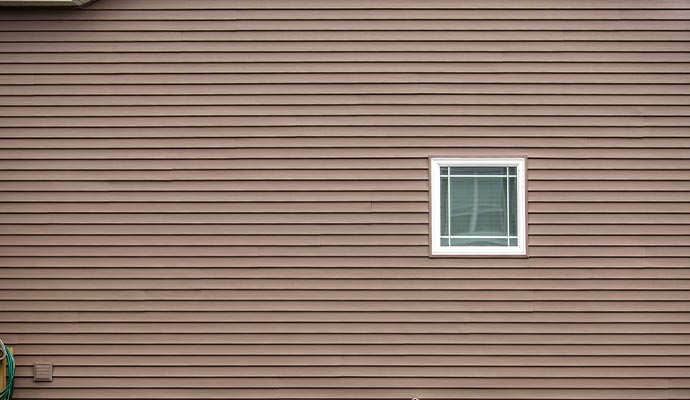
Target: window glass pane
[
  {"x": 513, "y": 242},
  {"x": 478, "y": 207},
  {"x": 512, "y": 171},
  {"x": 512, "y": 184},
  {"x": 460, "y": 209},
  {"x": 478, "y": 171},
  {"x": 491, "y": 217},
  {"x": 444, "y": 207},
  {"x": 444, "y": 170}
]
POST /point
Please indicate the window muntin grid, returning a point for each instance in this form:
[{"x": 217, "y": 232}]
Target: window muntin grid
[
  {"x": 478, "y": 213},
  {"x": 478, "y": 206}
]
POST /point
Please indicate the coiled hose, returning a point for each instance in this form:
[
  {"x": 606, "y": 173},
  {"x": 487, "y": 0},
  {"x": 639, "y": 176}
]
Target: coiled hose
[{"x": 8, "y": 391}]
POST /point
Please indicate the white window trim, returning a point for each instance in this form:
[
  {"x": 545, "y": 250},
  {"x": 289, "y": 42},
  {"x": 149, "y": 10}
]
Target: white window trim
[{"x": 435, "y": 186}]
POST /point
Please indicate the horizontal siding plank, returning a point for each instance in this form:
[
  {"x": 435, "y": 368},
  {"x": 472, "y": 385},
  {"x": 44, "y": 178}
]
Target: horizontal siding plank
[
  {"x": 245, "y": 240},
  {"x": 260, "y": 154},
  {"x": 425, "y": 272},
  {"x": 348, "y": 295},
  {"x": 169, "y": 229},
  {"x": 366, "y": 144},
  {"x": 268, "y": 239},
  {"x": 344, "y": 338},
  {"x": 390, "y": 371},
  {"x": 594, "y": 229},
  {"x": 456, "y": 34},
  {"x": 234, "y": 197},
  {"x": 537, "y": 165},
  {"x": 358, "y": 350},
  {"x": 347, "y": 284},
  {"x": 614, "y": 208},
  {"x": 273, "y": 218},
  {"x": 359, "y": 393},
  {"x": 319, "y": 218},
  {"x": 320, "y": 185},
  {"x": 324, "y": 173},
  {"x": 118, "y": 196},
  {"x": 274, "y": 185},
  {"x": 342, "y": 262},
  {"x": 318, "y": 46},
  {"x": 602, "y": 196},
  {"x": 407, "y": 22},
  {"x": 352, "y": 317},
  {"x": 336, "y": 88},
  {"x": 240, "y": 197},
  {"x": 221, "y": 229},
  {"x": 390, "y": 14},
  {"x": 259, "y": 165},
  {"x": 391, "y": 273},
  {"x": 621, "y": 309},
  {"x": 572, "y": 307},
  {"x": 387, "y": 4},
  {"x": 420, "y": 100},
  {"x": 365, "y": 110},
  {"x": 623, "y": 134},
  {"x": 362, "y": 382},
  {"x": 374, "y": 360},
  {"x": 370, "y": 327},
  {"x": 337, "y": 57},
  {"x": 649, "y": 69},
  {"x": 355, "y": 120},
  {"x": 311, "y": 207},
  {"x": 265, "y": 236}
]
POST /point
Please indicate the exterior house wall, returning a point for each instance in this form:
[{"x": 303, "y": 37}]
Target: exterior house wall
[{"x": 229, "y": 199}]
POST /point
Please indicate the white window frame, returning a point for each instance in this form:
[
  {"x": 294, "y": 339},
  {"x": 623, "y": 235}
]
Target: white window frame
[{"x": 435, "y": 185}]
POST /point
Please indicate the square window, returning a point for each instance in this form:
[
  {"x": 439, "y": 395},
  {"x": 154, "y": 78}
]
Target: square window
[{"x": 478, "y": 206}]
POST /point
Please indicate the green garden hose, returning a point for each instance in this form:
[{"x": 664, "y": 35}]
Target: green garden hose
[{"x": 8, "y": 390}]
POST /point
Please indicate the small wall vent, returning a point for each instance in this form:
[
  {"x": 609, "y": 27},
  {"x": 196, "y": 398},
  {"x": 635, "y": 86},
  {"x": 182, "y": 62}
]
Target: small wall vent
[{"x": 43, "y": 371}]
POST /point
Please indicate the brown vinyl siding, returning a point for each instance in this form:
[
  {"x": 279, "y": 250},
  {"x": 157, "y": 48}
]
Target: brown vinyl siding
[{"x": 229, "y": 199}]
